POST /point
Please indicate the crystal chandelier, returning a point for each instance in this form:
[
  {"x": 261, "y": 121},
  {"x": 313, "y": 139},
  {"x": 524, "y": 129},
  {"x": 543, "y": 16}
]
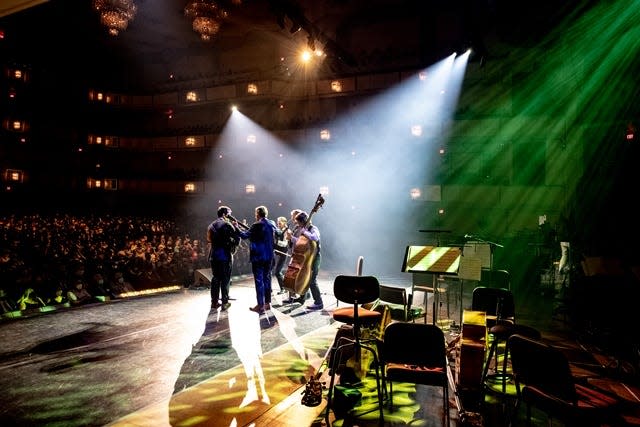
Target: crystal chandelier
[
  {"x": 207, "y": 17},
  {"x": 115, "y": 14}
]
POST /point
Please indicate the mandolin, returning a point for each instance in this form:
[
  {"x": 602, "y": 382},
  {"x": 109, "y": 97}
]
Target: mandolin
[{"x": 298, "y": 274}]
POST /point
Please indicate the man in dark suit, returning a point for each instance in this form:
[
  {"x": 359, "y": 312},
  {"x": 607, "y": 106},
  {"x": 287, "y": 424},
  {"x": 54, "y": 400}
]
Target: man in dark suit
[{"x": 223, "y": 239}]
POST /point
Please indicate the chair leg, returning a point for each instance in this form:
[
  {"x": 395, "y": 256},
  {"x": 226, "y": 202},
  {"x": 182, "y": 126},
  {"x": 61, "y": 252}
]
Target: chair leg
[
  {"x": 505, "y": 356},
  {"x": 376, "y": 362},
  {"x": 492, "y": 351},
  {"x": 445, "y": 397},
  {"x": 335, "y": 364},
  {"x": 500, "y": 369},
  {"x": 336, "y": 361},
  {"x": 448, "y": 305},
  {"x": 337, "y": 355}
]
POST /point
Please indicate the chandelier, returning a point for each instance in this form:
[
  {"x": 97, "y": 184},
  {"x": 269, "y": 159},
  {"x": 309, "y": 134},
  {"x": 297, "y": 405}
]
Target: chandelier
[
  {"x": 207, "y": 17},
  {"x": 115, "y": 14}
]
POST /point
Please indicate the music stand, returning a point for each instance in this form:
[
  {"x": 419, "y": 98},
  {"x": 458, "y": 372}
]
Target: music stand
[{"x": 434, "y": 260}]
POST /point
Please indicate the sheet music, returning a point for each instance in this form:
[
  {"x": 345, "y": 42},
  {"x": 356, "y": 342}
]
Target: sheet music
[
  {"x": 470, "y": 268},
  {"x": 479, "y": 250}
]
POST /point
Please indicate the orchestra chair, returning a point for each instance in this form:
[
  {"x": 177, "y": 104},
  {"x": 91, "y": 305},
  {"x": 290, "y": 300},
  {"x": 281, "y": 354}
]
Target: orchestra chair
[
  {"x": 399, "y": 302},
  {"x": 502, "y": 279},
  {"x": 495, "y": 278},
  {"x": 499, "y": 306},
  {"x": 544, "y": 380},
  {"x": 415, "y": 353},
  {"x": 355, "y": 290},
  {"x": 359, "y": 267}
]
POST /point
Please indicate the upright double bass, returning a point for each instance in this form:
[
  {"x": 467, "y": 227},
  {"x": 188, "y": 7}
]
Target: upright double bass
[{"x": 298, "y": 272}]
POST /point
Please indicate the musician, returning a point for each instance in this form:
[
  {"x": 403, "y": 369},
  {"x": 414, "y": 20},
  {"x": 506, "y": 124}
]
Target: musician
[
  {"x": 312, "y": 233},
  {"x": 223, "y": 240},
  {"x": 261, "y": 236},
  {"x": 293, "y": 231},
  {"x": 281, "y": 251}
]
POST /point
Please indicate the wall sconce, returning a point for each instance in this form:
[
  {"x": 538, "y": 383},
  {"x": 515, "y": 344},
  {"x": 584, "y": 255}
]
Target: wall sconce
[
  {"x": 14, "y": 175},
  {"x": 191, "y": 96}
]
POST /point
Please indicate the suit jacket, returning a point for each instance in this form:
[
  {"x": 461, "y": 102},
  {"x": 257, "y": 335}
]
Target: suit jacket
[
  {"x": 261, "y": 236},
  {"x": 224, "y": 240}
]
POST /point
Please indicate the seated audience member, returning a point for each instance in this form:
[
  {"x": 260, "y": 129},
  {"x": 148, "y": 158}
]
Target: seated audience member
[
  {"x": 119, "y": 285},
  {"x": 97, "y": 285},
  {"x": 59, "y": 297},
  {"x": 79, "y": 295},
  {"x": 6, "y": 305},
  {"x": 29, "y": 299}
]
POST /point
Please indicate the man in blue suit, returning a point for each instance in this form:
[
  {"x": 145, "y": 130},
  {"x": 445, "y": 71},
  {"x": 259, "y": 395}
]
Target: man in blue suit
[{"x": 261, "y": 237}]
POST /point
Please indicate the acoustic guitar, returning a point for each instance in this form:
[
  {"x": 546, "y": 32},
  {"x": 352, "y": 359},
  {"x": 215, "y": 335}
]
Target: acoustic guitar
[{"x": 298, "y": 274}]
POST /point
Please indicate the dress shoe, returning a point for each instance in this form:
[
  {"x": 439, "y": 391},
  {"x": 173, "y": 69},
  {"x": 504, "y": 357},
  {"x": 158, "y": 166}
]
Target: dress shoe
[
  {"x": 315, "y": 307},
  {"x": 289, "y": 300},
  {"x": 258, "y": 309},
  {"x": 266, "y": 306},
  {"x": 303, "y": 298},
  {"x": 225, "y": 305},
  {"x": 215, "y": 305}
]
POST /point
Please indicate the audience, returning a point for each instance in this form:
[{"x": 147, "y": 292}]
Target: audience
[{"x": 52, "y": 260}]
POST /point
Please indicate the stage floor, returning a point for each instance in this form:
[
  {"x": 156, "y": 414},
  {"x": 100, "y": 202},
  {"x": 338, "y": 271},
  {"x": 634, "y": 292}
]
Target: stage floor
[{"x": 168, "y": 359}]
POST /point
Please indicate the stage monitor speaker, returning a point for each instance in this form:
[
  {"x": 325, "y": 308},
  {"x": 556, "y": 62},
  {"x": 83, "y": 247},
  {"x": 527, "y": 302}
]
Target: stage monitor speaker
[{"x": 202, "y": 277}]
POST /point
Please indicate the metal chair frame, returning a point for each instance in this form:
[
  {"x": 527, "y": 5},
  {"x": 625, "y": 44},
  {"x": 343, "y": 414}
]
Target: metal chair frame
[
  {"x": 355, "y": 290},
  {"x": 416, "y": 353}
]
